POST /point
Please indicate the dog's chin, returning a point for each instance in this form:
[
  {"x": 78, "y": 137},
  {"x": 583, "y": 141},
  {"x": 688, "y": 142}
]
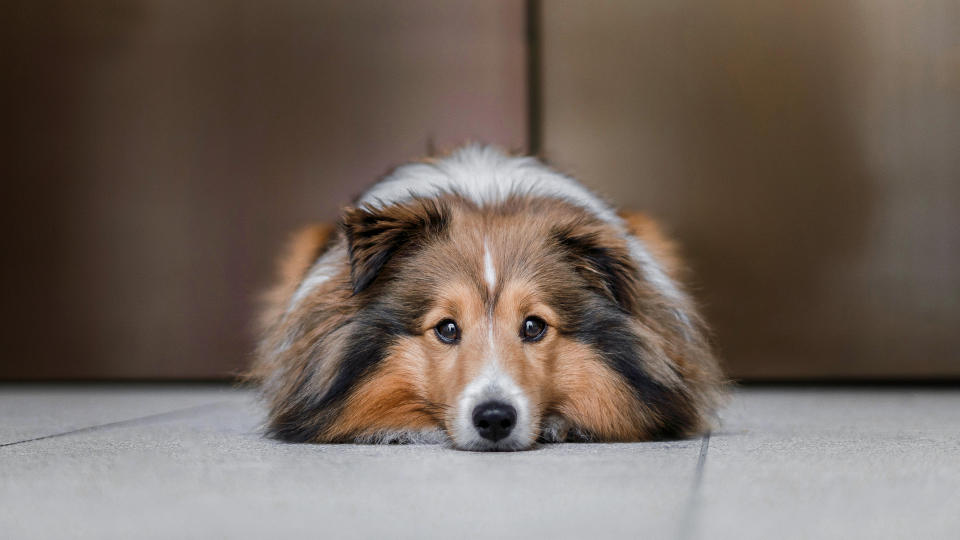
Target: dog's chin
[
  {"x": 479, "y": 444},
  {"x": 471, "y": 441}
]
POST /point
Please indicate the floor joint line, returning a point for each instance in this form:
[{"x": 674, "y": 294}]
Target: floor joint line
[
  {"x": 691, "y": 511},
  {"x": 128, "y": 421}
]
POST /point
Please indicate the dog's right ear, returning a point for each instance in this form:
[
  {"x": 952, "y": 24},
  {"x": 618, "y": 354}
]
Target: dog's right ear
[
  {"x": 602, "y": 257},
  {"x": 377, "y": 235}
]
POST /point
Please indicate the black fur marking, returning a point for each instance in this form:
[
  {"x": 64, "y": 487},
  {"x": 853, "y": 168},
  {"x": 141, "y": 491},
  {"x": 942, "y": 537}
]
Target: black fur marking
[
  {"x": 377, "y": 327},
  {"x": 592, "y": 259},
  {"x": 599, "y": 323}
]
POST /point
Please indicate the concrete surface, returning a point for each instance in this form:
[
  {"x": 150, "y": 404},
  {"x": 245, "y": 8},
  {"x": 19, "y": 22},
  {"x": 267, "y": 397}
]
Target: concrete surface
[{"x": 187, "y": 461}]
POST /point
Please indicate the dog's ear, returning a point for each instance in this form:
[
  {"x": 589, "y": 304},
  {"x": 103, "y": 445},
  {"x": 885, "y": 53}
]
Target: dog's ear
[
  {"x": 602, "y": 258},
  {"x": 376, "y": 235}
]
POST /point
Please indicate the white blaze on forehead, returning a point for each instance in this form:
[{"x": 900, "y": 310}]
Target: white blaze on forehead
[
  {"x": 489, "y": 272},
  {"x": 491, "y": 344}
]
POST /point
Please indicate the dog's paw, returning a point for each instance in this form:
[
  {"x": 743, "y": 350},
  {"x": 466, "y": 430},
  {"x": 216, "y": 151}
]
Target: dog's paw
[
  {"x": 554, "y": 429},
  {"x": 425, "y": 436}
]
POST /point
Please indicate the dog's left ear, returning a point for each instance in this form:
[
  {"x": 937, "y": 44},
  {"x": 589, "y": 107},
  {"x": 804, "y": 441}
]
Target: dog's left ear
[
  {"x": 603, "y": 258},
  {"x": 377, "y": 235}
]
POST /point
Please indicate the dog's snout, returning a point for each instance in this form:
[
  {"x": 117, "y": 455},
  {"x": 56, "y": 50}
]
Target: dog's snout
[{"x": 494, "y": 420}]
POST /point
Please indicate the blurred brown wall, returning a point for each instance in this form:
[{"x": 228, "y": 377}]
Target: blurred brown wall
[
  {"x": 806, "y": 153},
  {"x": 162, "y": 150}
]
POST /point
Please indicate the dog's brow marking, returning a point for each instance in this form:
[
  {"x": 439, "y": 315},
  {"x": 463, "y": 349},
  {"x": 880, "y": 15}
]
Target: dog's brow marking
[{"x": 489, "y": 273}]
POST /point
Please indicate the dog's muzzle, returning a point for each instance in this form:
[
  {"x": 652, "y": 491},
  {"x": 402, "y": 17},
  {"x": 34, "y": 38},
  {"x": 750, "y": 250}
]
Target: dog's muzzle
[{"x": 493, "y": 413}]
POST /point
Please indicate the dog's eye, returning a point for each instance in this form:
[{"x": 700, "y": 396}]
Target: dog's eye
[
  {"x": 447, "y": 331},
  {"x": 533, "y": 329}
]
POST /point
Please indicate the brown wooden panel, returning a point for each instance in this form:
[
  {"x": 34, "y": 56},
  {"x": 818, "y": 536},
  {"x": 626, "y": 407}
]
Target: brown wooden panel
[
  {"x": 163, "y": 149},
  {"x": 806, "y": 153}
]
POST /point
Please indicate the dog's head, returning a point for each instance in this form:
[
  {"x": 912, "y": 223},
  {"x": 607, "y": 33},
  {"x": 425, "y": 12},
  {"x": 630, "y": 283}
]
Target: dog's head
[{"x": 497, "y": 325}]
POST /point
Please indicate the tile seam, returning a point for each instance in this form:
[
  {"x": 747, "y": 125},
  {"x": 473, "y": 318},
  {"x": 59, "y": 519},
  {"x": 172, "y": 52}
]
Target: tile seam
[{"x": 126, "y": 422}]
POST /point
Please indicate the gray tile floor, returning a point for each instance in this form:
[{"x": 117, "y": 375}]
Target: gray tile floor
[{"x": 186, "y": 461}]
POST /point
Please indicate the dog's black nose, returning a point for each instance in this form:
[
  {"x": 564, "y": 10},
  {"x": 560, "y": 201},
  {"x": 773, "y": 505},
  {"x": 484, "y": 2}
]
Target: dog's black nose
[{"x": 494, "y": 420}]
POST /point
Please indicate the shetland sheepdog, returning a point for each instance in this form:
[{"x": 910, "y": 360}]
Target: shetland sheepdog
[{"x": 485, "y": 301}]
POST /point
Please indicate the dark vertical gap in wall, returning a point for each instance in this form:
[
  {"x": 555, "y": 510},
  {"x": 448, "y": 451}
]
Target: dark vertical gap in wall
[{"x": 534, "y": 97}]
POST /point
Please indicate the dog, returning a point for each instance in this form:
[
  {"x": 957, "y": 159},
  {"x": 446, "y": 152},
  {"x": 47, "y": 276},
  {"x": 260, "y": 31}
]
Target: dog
[{"x": 485, "y": 301}]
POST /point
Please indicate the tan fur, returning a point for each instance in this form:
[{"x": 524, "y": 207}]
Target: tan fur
[
  {"x": 651, "y": 233},
  {"x": 389, "y": 399},
  {"x": 588, "y": 394}
]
